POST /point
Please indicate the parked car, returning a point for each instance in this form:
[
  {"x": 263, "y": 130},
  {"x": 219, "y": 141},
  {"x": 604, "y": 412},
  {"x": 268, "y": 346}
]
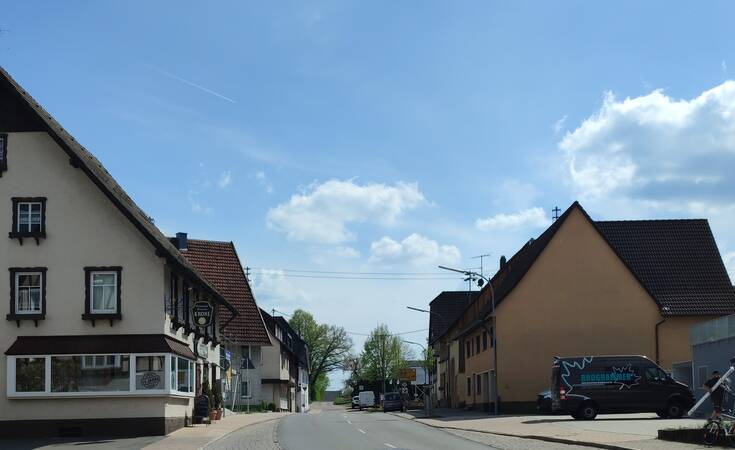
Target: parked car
[
  {"x": 355, "y": 402},
  {"x": 587, "y": 385},
  {"x": 367, "y": 399},
  {"x": 392, "y": 402},
  {"x": 543, "y": 402}
]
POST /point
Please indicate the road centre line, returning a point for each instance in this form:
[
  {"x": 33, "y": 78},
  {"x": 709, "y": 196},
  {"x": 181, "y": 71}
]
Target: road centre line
[
  {"x": 361, "y": 430},
  {"x": 388, "y": 445}
]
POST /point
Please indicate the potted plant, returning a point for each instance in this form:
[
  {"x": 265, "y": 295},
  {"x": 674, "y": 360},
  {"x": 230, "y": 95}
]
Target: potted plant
[{"x": 217, "y": 401}]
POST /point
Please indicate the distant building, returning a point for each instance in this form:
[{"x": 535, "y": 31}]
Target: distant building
[
  {"x": 285, "y": 372},
  {"x": 583, "y": 287}
]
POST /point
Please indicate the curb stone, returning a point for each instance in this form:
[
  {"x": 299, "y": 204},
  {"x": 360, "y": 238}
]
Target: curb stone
[{"x": 532, "y": 437}]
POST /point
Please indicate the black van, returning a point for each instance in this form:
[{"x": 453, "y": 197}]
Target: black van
[{"x": 587, "y": 385}]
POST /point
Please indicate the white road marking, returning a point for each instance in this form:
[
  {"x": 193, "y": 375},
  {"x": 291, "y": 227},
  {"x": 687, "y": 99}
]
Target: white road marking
[
  {"x": 391, "y": 446},
  {"x": 361, "y": 431},
  {"x": 349, "y": 422}
]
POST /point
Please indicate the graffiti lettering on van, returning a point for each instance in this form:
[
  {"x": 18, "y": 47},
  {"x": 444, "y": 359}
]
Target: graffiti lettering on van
[
  {"x": 624, "y": 376},
  {"x": 578, "y": 364}
]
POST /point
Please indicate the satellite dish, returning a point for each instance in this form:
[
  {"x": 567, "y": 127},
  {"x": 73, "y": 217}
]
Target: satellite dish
[{"x": 480, "y": 282}]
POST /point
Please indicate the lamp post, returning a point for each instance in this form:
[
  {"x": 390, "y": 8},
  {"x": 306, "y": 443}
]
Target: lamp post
[
  {"x": 481, "y": 280},
  {"x": 436, "y": 355},
  {"x": 427, "y": 394}
]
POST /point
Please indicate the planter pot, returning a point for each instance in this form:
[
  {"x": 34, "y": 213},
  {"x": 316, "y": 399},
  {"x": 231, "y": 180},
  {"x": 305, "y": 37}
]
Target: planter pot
[{"x": 218, "y": 414}]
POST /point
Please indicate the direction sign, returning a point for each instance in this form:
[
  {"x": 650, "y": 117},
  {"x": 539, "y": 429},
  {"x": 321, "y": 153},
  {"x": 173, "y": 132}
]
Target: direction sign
[{"x": 407, "y": 373}]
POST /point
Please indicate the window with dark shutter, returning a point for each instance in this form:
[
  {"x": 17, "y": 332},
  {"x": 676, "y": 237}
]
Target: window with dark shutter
[{"x": 3, "y": 153}]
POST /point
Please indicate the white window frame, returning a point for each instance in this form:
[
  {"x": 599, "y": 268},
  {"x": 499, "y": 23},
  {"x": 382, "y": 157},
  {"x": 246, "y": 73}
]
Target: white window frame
[
  {"x": 167, "y": 391},
  {"x": 94, "y": 310},
  {"x": 17, "y": 291},
  {"x": 30, "y": 216}
]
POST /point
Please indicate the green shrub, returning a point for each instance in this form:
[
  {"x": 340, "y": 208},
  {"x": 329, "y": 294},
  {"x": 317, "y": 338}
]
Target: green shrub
[
  {"x": 217, "y": 397},
  {"x": 272, "y": 407}
]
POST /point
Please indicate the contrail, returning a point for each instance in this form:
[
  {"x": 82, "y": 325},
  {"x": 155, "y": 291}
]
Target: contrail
[{"x": 192, "y": 84}]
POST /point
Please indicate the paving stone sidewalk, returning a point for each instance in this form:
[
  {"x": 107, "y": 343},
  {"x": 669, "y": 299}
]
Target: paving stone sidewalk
[
  {"x": 261, "y": 436},
  {"x": 200, "y": 436},
  {"x": 628, "y": 431}
]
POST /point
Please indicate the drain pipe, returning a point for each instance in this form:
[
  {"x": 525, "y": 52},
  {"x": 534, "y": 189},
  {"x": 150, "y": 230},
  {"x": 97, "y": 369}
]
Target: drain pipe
[{"x": 663, "y": 319}]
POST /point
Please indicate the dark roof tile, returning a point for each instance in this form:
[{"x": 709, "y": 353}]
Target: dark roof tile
[{"x": 220, "y": 265}]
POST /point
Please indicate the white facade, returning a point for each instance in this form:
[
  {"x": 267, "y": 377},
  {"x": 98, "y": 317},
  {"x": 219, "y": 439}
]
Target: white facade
[{"x": 83, "y": 229}]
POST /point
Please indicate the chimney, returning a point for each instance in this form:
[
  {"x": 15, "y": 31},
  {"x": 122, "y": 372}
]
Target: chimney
[
  {"x": 503, "y": 262},
  {"x": 182, "y": 242}
]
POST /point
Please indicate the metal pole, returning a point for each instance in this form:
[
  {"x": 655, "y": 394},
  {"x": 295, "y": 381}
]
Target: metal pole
[{"x": 250, "y": 388}]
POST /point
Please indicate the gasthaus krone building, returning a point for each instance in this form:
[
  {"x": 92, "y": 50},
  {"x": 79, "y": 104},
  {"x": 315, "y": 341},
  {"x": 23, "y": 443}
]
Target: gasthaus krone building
[
  {"x": 99, "y": 336},
  {"x": 583, "y": 287}
]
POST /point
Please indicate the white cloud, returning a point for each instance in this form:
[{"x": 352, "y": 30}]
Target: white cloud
[
  {"x": 264, "y": 182},
  {"x": 344, "y": 252},
  {"x": 196, "y": 205},
  {"x": 527, "y": 218},
  {"x": 560, "y": 124},
  {"x": 225, "y": 179},
  {"x": 272, "y": 287},
  {"x": 321, "y": 214},
  {"x": 657, "y": 149},
  {"x": 415, "y": 249},
  {"x": 729, "y": 259}
]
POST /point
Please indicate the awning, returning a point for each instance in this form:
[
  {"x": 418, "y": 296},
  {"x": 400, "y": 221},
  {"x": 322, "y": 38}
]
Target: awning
[{"x": 99, "y": 344}]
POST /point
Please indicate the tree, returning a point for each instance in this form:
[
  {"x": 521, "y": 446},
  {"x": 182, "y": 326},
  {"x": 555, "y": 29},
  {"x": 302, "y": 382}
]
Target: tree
[
  {"x": 383, "y": 355},
  {"x": 328, "y": 347}
]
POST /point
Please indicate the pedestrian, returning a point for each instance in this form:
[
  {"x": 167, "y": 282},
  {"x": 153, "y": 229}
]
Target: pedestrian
[{"x": 715, "y": 395}]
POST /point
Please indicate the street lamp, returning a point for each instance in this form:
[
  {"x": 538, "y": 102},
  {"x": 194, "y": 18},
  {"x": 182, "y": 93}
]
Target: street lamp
[
  {"x": 481, "y": 280},
  {"x": 427, "y": 394}
]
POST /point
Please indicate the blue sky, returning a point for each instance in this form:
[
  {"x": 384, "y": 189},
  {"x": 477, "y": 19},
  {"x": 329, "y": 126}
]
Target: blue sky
[{"x": 389, "y": 136}]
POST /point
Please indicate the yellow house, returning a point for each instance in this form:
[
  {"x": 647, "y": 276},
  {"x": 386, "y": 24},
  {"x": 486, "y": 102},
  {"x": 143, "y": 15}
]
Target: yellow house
[{"x": 586, "y": 288}]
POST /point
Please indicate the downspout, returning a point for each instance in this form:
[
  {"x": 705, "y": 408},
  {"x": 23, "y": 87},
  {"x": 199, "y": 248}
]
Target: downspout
[{"x": 663, "y": 319}]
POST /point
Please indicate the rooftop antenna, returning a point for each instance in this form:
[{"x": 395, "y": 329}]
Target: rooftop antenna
[
  {"x": 556, "y": 212},
  {"x": 481, "y": 259}
]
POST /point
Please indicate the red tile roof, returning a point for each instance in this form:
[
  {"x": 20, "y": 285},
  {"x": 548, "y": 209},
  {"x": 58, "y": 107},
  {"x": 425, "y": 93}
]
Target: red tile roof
[{"x": 220, "y": 265}]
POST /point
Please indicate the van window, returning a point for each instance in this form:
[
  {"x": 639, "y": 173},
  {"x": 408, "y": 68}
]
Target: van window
[
  {"x": 654, "y": 374},
  {"x": 392, "y": 396}
]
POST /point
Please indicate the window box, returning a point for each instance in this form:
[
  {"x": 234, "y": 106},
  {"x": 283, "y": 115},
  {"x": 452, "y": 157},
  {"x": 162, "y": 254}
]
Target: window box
[
  {"x": 105, "y": 375},
  {"x": 27, "y": 294},
  {"x": 102, "y": 294},
  {"x": 29, "y": 218}
]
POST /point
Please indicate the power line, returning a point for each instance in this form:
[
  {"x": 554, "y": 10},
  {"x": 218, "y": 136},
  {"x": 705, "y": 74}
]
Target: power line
[
  {"x": 387, "y": 335},
  {"x": 263, "y": 269},
  {"x": 337, "y": 277}
]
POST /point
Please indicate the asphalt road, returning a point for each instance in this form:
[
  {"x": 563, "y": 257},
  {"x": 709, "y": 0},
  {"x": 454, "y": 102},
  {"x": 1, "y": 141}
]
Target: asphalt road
[{"x": 346, "y": 429}]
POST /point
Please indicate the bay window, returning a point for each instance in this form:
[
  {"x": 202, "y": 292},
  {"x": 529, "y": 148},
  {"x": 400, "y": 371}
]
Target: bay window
[
  {"x": 90, "y": 373},
  {"x": 182, "y": 375},
  {"x": 94, "y": 375},
  {"x": 30, "y": 374},
  {"x": 150, "y": 372}
]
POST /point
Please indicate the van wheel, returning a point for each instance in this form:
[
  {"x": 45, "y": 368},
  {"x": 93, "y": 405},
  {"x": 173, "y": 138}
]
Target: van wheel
[
  {"x": 675, "y": 409},
  {"x": 588, "y": 411}
]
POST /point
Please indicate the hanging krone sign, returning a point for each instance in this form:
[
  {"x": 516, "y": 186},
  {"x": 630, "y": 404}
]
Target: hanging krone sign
[{"x": 202, "y": 312}]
